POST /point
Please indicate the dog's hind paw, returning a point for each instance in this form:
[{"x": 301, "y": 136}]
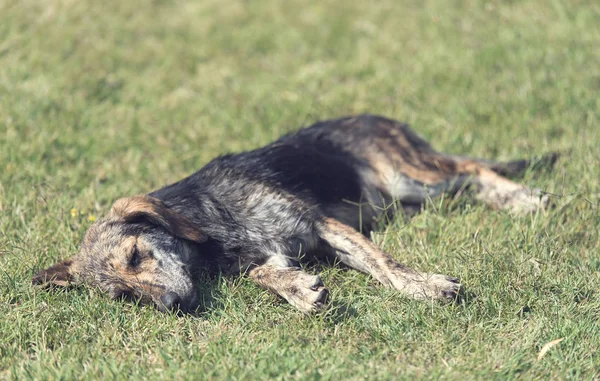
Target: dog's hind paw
[
  {"x": 518, "y": 200},
  {"x": 527, "y": 200}
]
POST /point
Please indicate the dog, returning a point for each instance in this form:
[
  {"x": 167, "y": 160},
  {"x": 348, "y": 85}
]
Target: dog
[{"x": 314, "y": 194}]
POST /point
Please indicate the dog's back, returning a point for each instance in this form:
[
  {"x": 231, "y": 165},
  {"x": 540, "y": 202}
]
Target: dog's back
[{"x": 350, "y": 168}]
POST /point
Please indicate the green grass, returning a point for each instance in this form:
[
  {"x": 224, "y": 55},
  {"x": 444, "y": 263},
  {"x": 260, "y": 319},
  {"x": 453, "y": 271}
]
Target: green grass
[{"x": 104, "y": 99}]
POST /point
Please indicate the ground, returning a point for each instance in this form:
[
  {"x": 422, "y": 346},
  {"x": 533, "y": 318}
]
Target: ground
[{"x": 100, "y": 100}]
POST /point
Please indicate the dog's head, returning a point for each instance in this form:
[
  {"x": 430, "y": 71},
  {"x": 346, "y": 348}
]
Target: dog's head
[{"x": 143, "y": 250}]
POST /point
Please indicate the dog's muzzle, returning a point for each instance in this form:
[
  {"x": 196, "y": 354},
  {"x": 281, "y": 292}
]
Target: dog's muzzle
[{"x": 171, "y": 301}]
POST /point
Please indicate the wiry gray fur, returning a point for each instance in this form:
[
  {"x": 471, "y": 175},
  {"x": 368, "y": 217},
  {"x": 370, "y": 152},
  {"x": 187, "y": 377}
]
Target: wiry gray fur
[{"x": 309, "y": 194}]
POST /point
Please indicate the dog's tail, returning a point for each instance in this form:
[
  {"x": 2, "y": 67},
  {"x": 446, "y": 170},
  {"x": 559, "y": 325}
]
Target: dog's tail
[{"x": 517, "y": 168}]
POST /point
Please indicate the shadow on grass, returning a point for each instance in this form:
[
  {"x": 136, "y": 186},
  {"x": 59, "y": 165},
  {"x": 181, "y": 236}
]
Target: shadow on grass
[
  {"x": 339, "y": 312},
  {"x": 465, "y": 297}
]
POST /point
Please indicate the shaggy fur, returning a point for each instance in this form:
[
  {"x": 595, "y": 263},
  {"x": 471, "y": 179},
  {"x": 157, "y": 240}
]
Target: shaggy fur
[{"x": 312, "y": 194}]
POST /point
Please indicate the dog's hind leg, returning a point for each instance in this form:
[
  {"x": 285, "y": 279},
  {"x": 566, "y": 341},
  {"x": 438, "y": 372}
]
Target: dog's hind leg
[
  {"x": 448, "y": 174},
  {"x": 302, "y": 290},
  {"x": 356, "y": 251},
  {"x": 516, "y": 168},
  {"x": 500, "y": 192}
]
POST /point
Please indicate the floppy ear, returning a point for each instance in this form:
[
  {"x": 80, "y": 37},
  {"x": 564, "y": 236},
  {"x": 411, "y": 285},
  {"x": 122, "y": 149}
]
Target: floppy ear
[
  {"x": 154, "y": 211},
  {"x": 60, "y": 274}
]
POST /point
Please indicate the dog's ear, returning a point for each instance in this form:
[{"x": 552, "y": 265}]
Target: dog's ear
[
  {"x": 61, "y": 274},
  {"x": 154, "y": 211}
]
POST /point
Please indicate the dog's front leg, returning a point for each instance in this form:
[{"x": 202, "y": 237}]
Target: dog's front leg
[
  {"x": 356, "y": 251},
  {"x": 302, "y": 290}
]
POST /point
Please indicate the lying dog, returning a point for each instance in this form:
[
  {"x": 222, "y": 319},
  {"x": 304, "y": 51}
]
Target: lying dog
[{"x": 315, "y": 193}]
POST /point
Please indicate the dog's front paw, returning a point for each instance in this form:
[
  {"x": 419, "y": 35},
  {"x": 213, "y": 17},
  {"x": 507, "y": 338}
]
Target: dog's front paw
[
  {"x": 308, "y": 293},
  {"x": 438, "y": 287}
]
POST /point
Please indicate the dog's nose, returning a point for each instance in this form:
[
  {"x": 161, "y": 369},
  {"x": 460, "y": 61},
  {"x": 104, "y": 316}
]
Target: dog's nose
[{"x": 170, "y": 301}]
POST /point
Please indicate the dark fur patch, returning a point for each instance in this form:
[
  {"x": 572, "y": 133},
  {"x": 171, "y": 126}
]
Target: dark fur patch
[{"x": 58, "y": 275}]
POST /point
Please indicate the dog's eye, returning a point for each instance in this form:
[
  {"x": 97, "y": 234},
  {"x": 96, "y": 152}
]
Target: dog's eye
[{"x": 135, "y": 259}]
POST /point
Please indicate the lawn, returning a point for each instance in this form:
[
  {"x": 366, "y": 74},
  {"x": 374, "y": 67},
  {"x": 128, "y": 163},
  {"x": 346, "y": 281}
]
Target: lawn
[{"x": 100, "y": 100}]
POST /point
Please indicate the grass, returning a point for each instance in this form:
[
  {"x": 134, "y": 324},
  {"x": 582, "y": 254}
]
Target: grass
[{"x": 104, "y": 99}]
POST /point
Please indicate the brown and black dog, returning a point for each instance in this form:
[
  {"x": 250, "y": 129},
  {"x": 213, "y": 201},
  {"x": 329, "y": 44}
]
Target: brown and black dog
[{"x": 317, "y": 192}]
